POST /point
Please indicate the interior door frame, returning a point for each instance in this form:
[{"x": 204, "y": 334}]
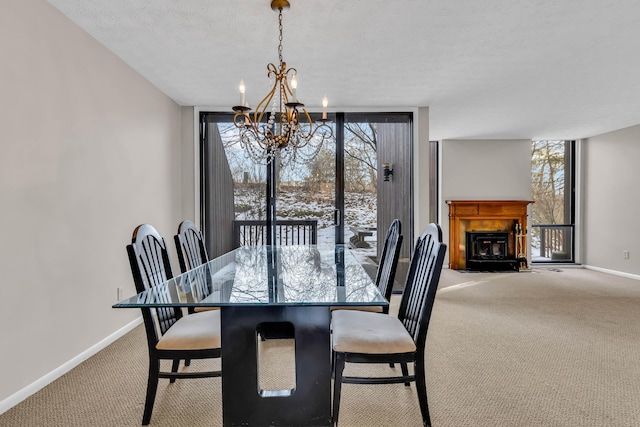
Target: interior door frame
[{"x": 339, "y": 200}]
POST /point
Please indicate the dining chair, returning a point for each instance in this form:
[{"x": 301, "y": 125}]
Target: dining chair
[
  {"x": 386, "y": 273},
  {"x": 387, "y": 266},
  {"x": 191, "y": 254},
  {"x": 190, "y": 246},
  {"x": 170, "y": 335},
  {"x": 366, "y": 337}
]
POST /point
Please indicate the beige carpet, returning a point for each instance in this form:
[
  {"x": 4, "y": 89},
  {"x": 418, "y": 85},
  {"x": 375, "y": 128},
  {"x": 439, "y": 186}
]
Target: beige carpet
[{"x": 546, "y": 348}]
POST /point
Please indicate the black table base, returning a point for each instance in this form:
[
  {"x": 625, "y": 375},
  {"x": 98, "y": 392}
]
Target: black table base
[{"x": 243, "y": 403}]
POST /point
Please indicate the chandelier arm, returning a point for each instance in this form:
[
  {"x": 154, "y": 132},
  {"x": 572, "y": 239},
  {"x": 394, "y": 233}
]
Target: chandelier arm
[
  {"x": 261, "y": 108},
  {"x": 242, "y": 121},
  {"x": 308, "y": 117},
  {"x": 308, "y": 136},
  {"x": 328, "y": 131}
]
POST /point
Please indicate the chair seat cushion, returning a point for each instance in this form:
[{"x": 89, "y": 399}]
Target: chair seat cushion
[
  {"x": 370, "y": 308},
  {"x": 369, "y": 333},
  {"x": 196, "y": 331},
  {"x": 200, "y": 309}
]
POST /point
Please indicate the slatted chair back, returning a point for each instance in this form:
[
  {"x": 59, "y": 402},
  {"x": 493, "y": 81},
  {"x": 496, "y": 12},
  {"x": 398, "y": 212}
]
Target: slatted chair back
[
  {"x": 191, "y": 254},
  {"x": 362, "y": 337},
  {"x": 150, "y": 267},
  {"x": 421, "y": 285},
  {"x": 388, "y": 263},
  {"x": 190, "y": 246}
]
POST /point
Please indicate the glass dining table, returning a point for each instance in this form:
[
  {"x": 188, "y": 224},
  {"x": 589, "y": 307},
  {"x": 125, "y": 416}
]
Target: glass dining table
[{"x": 282, "y": 288}]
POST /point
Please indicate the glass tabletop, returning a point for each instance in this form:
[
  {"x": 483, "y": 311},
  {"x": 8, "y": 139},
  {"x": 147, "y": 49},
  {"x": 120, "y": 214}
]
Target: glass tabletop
[{"x": 268, "y": 275}]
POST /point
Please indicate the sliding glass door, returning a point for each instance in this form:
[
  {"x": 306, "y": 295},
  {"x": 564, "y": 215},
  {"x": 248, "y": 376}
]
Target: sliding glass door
[
  {"x": 306, "y": 190},
  {"x": 343, "y": 190}
]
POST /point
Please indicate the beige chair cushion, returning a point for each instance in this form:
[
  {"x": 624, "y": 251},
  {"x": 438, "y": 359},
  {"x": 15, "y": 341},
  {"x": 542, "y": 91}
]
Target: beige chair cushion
[
  {"x": 369, "y": 333},
  {"x": 201, "y": 309},
  {"x": 196, "y": 331},
  {"x": 370, "y": 308}
]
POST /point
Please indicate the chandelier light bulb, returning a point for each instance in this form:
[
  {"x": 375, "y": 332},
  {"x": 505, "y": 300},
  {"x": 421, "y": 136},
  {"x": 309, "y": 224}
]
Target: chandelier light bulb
[
  {"x": 325, "y": 103},
  {"x": 294, "y": 86},
  {"x": 242, "y": 89}
]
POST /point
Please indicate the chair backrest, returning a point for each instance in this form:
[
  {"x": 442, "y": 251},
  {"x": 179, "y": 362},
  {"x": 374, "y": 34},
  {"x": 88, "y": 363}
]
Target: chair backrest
[
  {"x": 389, "y": 259},
  {"x": 190, "y": 246},
  {"x": 422, "y": 283},
  {"x": 149, "y": 261}
]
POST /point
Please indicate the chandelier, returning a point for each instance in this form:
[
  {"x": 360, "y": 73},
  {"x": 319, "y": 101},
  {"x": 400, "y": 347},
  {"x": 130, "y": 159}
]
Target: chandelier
[{"x": 286, "y": 131}]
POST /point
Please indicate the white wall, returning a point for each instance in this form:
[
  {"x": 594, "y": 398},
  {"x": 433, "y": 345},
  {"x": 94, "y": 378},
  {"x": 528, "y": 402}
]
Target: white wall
[
  {"x": 612, "y": 200},
  {"x": 483, "y": 170},
  {"x": 89, "y": 149},
  {"x": 421, "y": 172},
  {"x": 189, "y": 166}
]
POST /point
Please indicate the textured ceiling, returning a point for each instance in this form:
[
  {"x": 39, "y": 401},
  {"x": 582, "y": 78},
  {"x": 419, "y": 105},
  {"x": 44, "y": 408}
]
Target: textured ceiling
[{"x": 486, "y": 69}]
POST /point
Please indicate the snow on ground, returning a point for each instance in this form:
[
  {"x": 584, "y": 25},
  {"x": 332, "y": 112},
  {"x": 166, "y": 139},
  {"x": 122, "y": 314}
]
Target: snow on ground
[{"x": 299, "y": 203}]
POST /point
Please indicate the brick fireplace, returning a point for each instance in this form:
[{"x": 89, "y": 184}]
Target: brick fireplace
[{"x": 485, "y": 223}]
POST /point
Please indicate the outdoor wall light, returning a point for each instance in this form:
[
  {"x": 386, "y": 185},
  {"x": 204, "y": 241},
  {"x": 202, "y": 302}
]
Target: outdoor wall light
[{"x": 387, "y": 171}]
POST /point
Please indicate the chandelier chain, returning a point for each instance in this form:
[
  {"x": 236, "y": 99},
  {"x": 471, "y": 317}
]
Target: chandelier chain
[{"x": 280, "y": 38}]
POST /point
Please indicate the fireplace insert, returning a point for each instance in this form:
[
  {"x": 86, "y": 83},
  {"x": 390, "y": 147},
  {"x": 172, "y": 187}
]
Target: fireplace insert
[{"x": 487, "y": 251}]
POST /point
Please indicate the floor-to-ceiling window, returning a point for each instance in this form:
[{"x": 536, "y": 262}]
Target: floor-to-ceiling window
[
  {"x": 553, "y": 190},
  {"x": 343, "y": 187}
]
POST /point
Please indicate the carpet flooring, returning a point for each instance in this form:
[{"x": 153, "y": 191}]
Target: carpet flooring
[{"x": 551, "y": 347}]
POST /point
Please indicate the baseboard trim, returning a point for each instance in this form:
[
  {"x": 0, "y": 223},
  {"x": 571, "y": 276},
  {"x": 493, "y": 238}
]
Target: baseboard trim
[
  {"x": 614, "y": 272},
  {"x": 47, "y": 379}
]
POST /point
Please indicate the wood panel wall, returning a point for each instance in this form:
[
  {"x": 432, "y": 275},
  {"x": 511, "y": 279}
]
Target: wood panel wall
[
  {"x": 394, "y": 196},
  {"x": 218, "y": 197}
]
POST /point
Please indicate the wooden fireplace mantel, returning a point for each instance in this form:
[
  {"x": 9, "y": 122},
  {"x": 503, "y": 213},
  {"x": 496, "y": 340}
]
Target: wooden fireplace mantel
[{"x": 482, "y": 215}]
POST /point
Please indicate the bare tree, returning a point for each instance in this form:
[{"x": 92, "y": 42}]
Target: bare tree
[
  {"x": 321, "y": 170},
  {"x": 360, "y": 148},
  {"x": 547, "y": 179},
  {"x": 317, "y": 176}
]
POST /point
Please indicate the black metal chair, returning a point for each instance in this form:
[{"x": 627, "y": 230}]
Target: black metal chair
[
  {"x": 386, "y": 272},
  {"x": 365, "y": 337},
  {"x": 170, "y": 335},
  {"x": 191, "y": 254}
]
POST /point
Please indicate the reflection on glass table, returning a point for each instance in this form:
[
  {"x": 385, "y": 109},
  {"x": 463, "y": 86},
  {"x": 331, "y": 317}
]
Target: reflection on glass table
[{"x": 282, "y": 275}]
